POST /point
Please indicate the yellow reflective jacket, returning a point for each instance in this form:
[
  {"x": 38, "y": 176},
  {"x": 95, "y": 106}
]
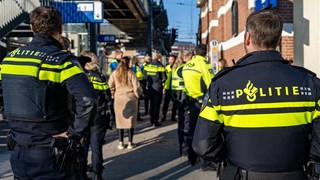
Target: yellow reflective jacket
[
  {"x": 167, "y": 83},
  {"x": 197, "y": 74}
]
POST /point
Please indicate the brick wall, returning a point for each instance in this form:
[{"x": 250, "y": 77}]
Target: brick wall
[
  {"x": 287, "y": 47},
  {"x": 285, "y": 9},
  {"x": 223, "y": 32}
]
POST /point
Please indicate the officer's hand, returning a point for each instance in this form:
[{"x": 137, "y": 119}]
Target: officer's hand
[{"x": 62, "y": 135}]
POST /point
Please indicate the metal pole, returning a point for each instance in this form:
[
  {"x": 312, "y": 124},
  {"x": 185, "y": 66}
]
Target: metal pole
[
  {"x": 150, "y": 29},
  {"x": 93, "y": 37}
]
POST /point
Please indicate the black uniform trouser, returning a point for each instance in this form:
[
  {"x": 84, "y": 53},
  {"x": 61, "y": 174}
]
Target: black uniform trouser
[
  {"x": 194, "y": 110},
  {"x": 146, "y": 97},
  {"x": 182, "y": 127},
  {"x": 155, "y": 100},
  {"x": 112, "y": 110},
  {"x": 37, "y": 163},
  {"x": 141, "y": 84},
  {"x": 167, "y": 99},
  {"x": 95, "y": 138},
  {"x": 146, "y": 103}
]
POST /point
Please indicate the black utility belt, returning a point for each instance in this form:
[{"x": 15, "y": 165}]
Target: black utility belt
[
  {"x": 245, "y": 174},
  {"x": 199, "y": 99},
  {"x": 236, "y": 173},
  {"x": 34, "y": 146}
]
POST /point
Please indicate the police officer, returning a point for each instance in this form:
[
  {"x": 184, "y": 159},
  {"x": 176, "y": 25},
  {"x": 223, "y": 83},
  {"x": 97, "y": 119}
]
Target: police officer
[
  {"x": 260, "y": 123},
  {"x": 197, "y": 74},
  {"x": 167, "y": 88},
  {"x": 101, "y": 121},
  {"x": 179, "y": 100},
  {"x": 155, "y": 76},
  {"x": 147, "y": 60},
  {"x": 114, "y": 62},
  {"x": 36, "y": 80}
]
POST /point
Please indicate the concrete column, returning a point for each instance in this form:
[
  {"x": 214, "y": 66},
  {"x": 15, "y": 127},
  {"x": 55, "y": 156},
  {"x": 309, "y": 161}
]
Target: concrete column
[{"x": 306, "y": 25}]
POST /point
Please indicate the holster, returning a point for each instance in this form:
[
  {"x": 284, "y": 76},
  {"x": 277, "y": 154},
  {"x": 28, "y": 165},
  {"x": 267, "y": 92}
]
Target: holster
[
  {"x": 65, "y": 152},
  {"x": 10, "y": 141},
  {"x": 313, "y": 171},
  {"x": 108, "y": 120},
  {"x": 229, "y": 172}
]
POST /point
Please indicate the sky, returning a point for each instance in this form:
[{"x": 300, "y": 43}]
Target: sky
[{"x": 184, "y": 16}]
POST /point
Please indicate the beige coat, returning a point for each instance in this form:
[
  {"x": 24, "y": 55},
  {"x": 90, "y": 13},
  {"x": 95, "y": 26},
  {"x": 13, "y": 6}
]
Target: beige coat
[{"x": 125, "y": 100}]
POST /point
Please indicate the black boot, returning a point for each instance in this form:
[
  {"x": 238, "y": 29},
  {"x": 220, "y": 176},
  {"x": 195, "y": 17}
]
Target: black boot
[{"x": 97, "y": 176}]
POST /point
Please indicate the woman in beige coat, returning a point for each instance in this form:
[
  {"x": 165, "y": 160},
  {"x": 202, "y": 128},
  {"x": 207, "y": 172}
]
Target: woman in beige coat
[{"x": 125, "y": 90}]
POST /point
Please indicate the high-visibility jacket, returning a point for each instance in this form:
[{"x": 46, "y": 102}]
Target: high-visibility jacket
[
  {"x": 259, "y": 115},
  {"x": 101, "y": 87},
  {"x": 37, "y": 80},
  {"x": 167, "y": 83},
  {"x": 197, "y": 74},
  {"x": 155, "y": 75},
  {"x": 139, "y": 73},
  {"x": 177, "y": 81},
  {"x": 113, "y": 66}
]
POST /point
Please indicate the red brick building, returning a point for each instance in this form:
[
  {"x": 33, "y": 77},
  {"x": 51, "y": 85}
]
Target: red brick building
[{"x": 224, "y": 21}]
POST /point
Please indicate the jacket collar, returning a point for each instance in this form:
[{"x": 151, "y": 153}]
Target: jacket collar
[
  {"x": 198, "y": 57},
  {"x": 261, "y": 56},
  {"x": 45, "y": 40}
]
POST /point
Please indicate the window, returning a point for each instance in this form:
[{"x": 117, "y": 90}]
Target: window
[{"x": 234, "y": 10}]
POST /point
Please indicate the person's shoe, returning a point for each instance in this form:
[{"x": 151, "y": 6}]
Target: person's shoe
[
  {"x": 174, "y": 119},
  {"x": 163, "y": 119},
  {"x": 208, "y": 166},
  {"x": 184, "y": 154},
  {"x": 97, "y": 176},
  {"x": 130, "y": 145},
  {"x": 89, "y": 168},
  {"x": 120, "y": 146},
  {"x": 157, "y": 124}
]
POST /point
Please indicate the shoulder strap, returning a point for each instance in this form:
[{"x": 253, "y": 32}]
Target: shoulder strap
[{"x": 305, "y": 70}]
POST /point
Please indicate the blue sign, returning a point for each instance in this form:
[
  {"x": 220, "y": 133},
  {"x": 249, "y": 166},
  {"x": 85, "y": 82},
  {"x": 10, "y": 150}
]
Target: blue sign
[
  {"x": 141, "y": 52},
  {"x": 108, "y": 38},
  {"x": 80, "y": 11},
  {"x": 262, "y": 4}
]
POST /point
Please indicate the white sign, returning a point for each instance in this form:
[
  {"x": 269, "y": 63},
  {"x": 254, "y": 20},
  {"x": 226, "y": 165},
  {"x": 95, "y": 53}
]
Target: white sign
[
  {"x": 214, "y": 55},
  {"x": 97, "y": 11},
  {"x": 85, "y": 7}
]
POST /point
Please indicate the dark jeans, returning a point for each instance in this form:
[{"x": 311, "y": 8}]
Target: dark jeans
[
  {"x": 155, "y": 99},
  {"x": 167, "y": 99},
  {"x": 37, "y": 163}
]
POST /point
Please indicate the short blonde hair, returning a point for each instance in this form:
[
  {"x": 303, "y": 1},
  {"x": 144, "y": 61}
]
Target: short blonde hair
[{"x": 94, "y": 59}]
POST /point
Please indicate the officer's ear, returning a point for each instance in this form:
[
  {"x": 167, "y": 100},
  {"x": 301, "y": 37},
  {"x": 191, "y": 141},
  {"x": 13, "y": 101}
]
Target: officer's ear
[{"x": 247, "y": 38}]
